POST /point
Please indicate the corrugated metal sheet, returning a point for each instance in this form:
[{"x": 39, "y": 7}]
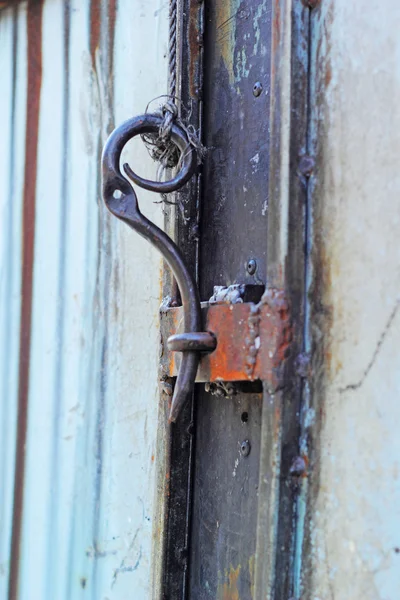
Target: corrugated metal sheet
[{"x": 84, "y": 370}]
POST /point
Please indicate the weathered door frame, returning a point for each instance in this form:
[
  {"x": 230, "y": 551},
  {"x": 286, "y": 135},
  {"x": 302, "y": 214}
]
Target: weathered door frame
[{"x": 283, "y": 459}]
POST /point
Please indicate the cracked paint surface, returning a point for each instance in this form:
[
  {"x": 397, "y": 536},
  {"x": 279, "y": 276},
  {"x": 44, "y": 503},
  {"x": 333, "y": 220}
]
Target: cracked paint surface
[{"x": 351, "y": 517}]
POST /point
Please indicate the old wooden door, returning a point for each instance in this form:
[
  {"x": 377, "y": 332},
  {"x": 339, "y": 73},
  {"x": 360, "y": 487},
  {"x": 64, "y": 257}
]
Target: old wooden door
[
  {"x": 233, "y": 451},
  {"x": 258, "y": 492}
]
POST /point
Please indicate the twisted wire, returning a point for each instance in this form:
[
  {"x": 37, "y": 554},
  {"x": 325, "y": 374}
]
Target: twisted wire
[
  {"x": 159, "y": 145},
  {"x": 170, "y": 109},
  {"x": 173, "y": 17}
]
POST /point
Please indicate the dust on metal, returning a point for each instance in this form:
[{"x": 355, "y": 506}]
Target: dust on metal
[{"x": 237, "y": 293}]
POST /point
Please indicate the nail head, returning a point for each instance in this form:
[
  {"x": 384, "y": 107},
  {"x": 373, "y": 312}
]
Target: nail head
[
  {"x": 245, "y": 448},
  {"x": 257, "y": 89}
]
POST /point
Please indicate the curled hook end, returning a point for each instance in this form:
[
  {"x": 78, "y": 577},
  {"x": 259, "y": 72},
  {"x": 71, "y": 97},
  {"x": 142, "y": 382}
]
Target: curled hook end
[
  {"x": 184, "y": 387},
  {"x": 178, "y": 402}
]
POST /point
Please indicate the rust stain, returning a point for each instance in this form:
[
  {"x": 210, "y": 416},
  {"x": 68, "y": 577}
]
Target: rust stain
[
  {"x": 276, "y": 31},
  {"x": 229, "y": 589},
  {"x": 111, "y": 20},
  {"x": 225, "y": 14},
  {"x": 95, "y": 28},
  {"x": 193, "y": 38},
  {"x": 112, "y": 15},
  {"x": 230, "y": 324},
  {"x": 276, "y": 301},
  {"x": 34, "y": 54},
  {"x": 307, "y": 464},
  {"x": 328, "y": 75}
]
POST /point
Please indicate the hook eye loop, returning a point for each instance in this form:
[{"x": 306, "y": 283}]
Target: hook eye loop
[
  {"x": 187, "y": 162},
  {"x": 141, "y": 125}
]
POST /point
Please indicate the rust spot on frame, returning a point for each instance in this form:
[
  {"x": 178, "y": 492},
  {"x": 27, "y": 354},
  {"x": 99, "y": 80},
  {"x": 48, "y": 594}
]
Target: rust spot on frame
[
  {"x": 233, "y": 326},
  {"x": 193, "y": 49},
  {"x": 95, "y": 28},
  {"x": 112, "y": 15},
  {"x": 226, "y": 17},
  {"x": 34, "y": 54},
  {"x": 275, "y": 299},
  {"x": 229, "y": 590},
  {"x": 276, "y": 29}
]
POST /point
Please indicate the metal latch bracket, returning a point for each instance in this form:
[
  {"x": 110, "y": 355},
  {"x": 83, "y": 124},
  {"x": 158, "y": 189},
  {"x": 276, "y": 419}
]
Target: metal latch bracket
[{"x": 252, "y": 340}]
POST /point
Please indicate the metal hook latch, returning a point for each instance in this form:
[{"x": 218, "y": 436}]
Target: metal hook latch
[{"x": 121, "y": 200}]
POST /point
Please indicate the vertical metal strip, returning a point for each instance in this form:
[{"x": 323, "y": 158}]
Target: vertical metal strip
[
  {"x": 190, "y": 81},
  {"x": 276, "y": 543},
  {"x": 34, "y": 59},
  {"x": 308, "y": 403}
]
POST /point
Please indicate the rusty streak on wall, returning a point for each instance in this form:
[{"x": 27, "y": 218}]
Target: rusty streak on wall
[
  {"x": 34, "y": 35},
  {"x": 86, "y": 441}
]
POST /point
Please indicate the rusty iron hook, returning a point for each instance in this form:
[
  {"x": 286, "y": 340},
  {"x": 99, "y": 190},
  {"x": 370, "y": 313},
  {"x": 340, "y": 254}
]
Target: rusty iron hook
[{"x": 121, "y": 200}]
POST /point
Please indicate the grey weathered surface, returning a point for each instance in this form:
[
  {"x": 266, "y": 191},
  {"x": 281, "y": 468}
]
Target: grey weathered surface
[
  {"x": 351, "y": 424},
  {"x": 225, "y": 497},
  {"x": 275, "y": 573},
  {"x": 233, "y": 229},
  {"x": 236, "y": 131}
]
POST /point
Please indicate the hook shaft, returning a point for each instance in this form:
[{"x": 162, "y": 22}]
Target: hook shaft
[{"x": 121, "y": 200}]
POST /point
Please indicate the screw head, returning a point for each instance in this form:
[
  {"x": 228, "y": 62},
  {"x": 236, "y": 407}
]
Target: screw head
[
  {"x": 306, "y": 165},
  {"x": 245, "y": 448},
  {"x": 298, "y": 466},
  {"x": 251, "y": 266},
  {"x": 257, "y": 89},
  {"x": 194, "y": 233}
]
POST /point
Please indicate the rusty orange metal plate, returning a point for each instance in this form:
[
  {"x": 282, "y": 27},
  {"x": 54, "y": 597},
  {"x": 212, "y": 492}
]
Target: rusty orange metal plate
[{"x": 253, "y": 340}]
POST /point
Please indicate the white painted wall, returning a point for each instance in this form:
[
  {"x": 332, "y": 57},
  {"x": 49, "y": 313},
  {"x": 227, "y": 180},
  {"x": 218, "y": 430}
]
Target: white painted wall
[{"x": 354, "y": 483}]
